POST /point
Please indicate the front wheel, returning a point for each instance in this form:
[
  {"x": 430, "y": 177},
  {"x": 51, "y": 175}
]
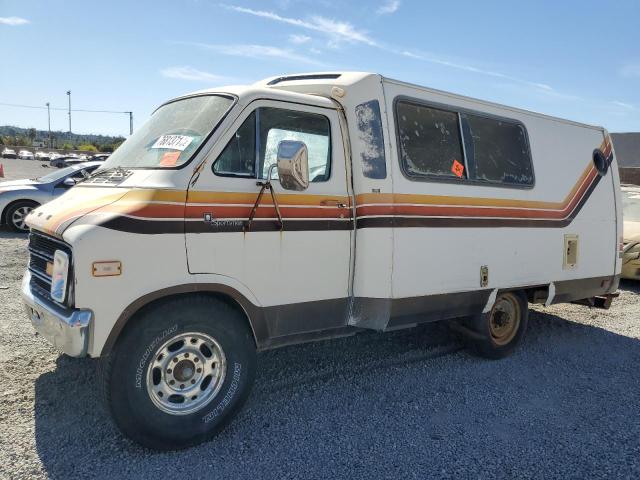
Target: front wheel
[
  {"x": 497, "y": 333},
  {"x": 17, "y": 214},
  {"x": 180, "y": 372}
]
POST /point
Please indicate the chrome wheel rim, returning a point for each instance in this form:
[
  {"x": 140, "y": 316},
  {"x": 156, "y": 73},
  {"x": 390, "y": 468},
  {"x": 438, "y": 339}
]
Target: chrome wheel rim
[
  {"x": 505, "y": 319},
  {"x": 19, "y": 216},
  {"x": 186, "y": 373}
]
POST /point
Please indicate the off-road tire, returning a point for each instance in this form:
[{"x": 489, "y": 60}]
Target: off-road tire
[{"x": 123, "y": 373}]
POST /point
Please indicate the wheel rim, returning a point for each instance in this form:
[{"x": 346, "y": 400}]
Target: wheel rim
[
  {"x": 505, "y": 319},
  {"x": 186, "y": 373},
  {"x": 19, "y": 216}
]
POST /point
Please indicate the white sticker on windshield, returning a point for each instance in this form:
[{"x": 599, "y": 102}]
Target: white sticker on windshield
[{"x": 174, "y": 142}]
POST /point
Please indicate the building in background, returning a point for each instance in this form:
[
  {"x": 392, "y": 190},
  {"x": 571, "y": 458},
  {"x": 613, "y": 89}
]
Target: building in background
[{"x": 627, "y": 147}]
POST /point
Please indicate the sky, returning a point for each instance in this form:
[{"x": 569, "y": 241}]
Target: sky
[{"x": 576, "y": 59}]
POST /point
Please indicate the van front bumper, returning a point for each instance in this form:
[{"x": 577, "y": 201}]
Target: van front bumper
[{"x": 68, "y": 329}]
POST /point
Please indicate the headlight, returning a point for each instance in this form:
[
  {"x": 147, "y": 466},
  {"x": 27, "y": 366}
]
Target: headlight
[{"x": 59, "y": 276}]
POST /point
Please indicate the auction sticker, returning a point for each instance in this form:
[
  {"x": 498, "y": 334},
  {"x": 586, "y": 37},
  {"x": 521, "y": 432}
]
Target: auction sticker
[{"x": 174, "y": 142}]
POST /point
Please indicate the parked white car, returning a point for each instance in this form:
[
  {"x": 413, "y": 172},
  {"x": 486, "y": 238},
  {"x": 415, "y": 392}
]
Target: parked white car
[
  {"x": 25, "y": 155},
  {"x": 8, "y": 153}
]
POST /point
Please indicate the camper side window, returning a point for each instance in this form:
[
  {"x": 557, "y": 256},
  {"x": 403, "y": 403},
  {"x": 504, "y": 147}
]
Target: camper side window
[
  {"x": 497, "y": 150},
  {"x": 430, "y": 142}
]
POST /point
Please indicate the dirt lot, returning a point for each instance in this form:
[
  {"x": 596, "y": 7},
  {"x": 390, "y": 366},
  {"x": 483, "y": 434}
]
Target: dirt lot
[{"x": 408, "y": 404}]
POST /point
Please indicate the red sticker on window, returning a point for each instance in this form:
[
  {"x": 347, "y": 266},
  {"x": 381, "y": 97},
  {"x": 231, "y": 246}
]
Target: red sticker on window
[
  {"x": 169, "y": 159},
  {"x": 457, "y": 168}
]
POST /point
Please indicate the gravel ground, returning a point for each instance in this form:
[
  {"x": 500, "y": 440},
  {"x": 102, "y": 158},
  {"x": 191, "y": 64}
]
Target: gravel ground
[{"x": 407, "y": 404}]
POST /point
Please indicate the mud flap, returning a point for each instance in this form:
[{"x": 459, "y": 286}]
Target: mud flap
[{"x": 371, "y": 313}]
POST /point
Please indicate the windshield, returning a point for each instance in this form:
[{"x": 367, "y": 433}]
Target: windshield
[
  {"x": 631, "y": 206},
  {"x": 172, "y": 134},
  {"x": 57, "y": 175}
]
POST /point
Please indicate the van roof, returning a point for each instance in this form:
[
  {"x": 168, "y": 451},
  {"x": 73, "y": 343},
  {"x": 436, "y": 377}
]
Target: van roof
[{"x": 318, "y": 84}]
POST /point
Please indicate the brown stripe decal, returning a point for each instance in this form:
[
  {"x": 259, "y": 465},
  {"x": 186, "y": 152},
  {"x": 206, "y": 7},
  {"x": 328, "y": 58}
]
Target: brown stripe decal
[{"x": 174, "y": 211}]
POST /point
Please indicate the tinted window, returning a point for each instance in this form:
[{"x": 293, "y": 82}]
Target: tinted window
[
  {"x": 372, "y": 141},
  {"x": 429, "y": 141},
  {"x": 250, "y": 154},
  {"x": 497, "y": 150}
]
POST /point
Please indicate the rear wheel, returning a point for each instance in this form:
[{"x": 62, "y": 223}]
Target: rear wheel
[
  {"x": 17, "y": 214},
  {"x": 497, "y": 333},
  {"x": 180, "y": 372}
]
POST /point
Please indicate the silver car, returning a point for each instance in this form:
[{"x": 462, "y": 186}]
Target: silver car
[{"x": 19, "y": 197}]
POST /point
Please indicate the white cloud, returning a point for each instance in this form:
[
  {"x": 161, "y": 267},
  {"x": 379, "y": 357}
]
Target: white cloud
[
  {"x": 624, "y": 105},
  {"x": 299, "y": 39},
  {"x": 630, "y": 71},
  {"x": 337, "y": 30},
  {"x": 13, "y": 21},
  {"x": 190, "y": 73},
  {"x": 255, "y": 51},
  {"x": 390, "y": 6}
]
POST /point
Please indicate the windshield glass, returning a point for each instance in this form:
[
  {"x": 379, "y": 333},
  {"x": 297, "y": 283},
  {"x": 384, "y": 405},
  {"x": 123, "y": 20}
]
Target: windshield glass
[
  {"x": 57, "y": 175},
  {"x": 631, "y": 206},
  {"x": 172, "y": 134}
]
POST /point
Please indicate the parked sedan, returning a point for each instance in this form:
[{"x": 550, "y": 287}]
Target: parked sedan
[
  {"x": 8, "y": 153},
  {"x": 631, "y": 232},
  {"x": 19, "y": 197},
  {"x": 25, "y": 155}
]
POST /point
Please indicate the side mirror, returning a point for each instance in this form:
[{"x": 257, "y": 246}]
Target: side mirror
[
  {"x": 69, "y": 182},
  {"x": 293, "y": 165}
]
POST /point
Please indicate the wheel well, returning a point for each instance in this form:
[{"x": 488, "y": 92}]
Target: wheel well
[
  {"x": 130, "y": 314},
  {"x": 3, "y": 217}
]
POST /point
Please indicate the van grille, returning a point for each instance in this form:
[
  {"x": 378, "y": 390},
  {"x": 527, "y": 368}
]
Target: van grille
[{"x": 41, "y": 250}]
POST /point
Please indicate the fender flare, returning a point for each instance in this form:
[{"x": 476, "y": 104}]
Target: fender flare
[{"x": 253, "y": 313}]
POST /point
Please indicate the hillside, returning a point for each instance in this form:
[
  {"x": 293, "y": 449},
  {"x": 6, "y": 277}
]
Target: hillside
[{"x": 10, "y": 135}]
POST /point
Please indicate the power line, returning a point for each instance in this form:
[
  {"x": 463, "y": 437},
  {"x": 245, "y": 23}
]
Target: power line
[{"x": 59, "y": 108}]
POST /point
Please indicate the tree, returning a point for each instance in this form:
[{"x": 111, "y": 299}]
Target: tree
[
  {"x": 86, "y": 147},
  {"x": 31, "y": 134},
  {"x": 67, "y": 146}
]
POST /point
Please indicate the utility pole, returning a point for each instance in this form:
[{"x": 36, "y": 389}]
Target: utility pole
[
  {"x": 130, "y": 123},
  {"x": 69, "y": 95},
  {"x": 49, "y": 122}
]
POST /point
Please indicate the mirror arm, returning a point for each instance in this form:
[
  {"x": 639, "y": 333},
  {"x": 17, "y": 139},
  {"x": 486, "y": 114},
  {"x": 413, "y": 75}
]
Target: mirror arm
[{"x": 266, "y": 185}]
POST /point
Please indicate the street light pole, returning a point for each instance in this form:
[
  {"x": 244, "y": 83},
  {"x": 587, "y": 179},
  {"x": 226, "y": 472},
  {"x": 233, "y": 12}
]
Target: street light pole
[
  {"x": 69, "y": 95},
  {"x": 49, "y": 122},
  {"x": 130, "y": 123}
]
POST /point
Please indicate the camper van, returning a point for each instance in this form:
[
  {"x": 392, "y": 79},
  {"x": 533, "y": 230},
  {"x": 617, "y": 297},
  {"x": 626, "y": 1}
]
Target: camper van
[{"x": 305, "y": 207}]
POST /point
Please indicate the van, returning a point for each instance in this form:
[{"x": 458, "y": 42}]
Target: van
[{"x": 307, "y": 207}]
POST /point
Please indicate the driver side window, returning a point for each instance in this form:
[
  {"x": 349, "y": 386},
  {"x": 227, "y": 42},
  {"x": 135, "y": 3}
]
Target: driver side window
[{"x": 254, "y": 146}]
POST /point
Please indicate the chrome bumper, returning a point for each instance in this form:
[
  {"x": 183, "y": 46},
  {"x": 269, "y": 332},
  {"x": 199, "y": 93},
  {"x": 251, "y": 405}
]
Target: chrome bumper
[{"x": 67, "y": 329}]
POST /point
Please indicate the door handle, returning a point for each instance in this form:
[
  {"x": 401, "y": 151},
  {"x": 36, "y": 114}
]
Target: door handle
[{"x": 333, "y": 203}]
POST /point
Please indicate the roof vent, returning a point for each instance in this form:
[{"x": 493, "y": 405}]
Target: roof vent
[{"x": 317, "y": 76}]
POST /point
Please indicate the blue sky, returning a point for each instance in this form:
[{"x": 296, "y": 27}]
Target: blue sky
[{"x": 574, "y": 59}]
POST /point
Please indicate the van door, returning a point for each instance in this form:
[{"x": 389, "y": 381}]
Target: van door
[{"x": 299, "y": 273}]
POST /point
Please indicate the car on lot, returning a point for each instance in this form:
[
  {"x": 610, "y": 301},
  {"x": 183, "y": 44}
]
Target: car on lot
[
  {"x": 631, "y": 231},
  {"x": 43, "y": 156},
  {"x": 8, "y": 153},
  {"x": 19, "y": 197},
  {"x": 25, "y": 155}
]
